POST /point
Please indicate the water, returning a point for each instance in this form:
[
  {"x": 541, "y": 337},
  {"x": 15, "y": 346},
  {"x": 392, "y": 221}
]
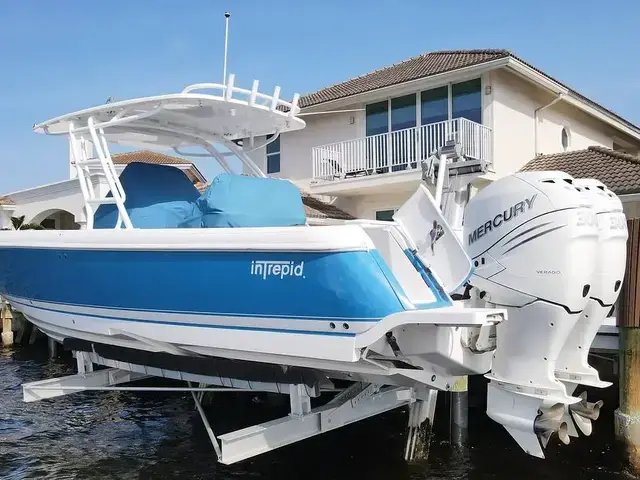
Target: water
[{"x": 126, "y": 435}]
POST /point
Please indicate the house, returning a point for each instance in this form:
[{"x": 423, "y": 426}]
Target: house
[
  {"x": 365, "y": 136},
  {"x": 60, "y": 205}
]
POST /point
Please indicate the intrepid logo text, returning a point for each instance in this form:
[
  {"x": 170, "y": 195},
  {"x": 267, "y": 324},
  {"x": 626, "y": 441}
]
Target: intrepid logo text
[{"x": 277, "y": 268}]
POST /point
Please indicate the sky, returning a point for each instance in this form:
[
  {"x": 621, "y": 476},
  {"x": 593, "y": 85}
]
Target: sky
[{"x": 62, "y": 56}]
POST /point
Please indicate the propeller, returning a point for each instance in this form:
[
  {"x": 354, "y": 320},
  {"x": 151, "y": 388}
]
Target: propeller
[
  {"x": 583, "y": 413},
  {"x": 550, "y": 421}
]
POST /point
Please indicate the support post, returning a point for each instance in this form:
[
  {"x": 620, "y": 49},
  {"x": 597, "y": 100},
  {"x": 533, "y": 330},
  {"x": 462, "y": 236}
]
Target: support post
[
  {"x": 421, "y": 416},
  {"x": 53, "y": 347},
  {"x": 459, "y": 413},
  {"x": 34, "y": 335},
  {"x": 7, "y": 323},
  {"x": 20, "y": 324},
  {"x": 300, "y": 400},
  {"x": 627, "y": 416}
]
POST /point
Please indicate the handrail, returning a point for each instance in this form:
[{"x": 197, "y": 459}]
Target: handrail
[
  {"x": 399, "y": 149},
  {"x": 272, "y": 101}
]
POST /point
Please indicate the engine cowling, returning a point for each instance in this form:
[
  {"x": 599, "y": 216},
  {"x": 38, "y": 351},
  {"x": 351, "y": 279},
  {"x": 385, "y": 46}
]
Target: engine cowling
[
  {"x": 533, "y": 238},
  {"x": 572, "y": 366},
  {"x": 610, "y": 262}
]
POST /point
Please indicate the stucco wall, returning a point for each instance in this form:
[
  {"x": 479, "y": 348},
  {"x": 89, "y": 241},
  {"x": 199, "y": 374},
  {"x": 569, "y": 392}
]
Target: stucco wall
[
  {"x": 6, "y": 212},
  {"x": 295, "y": 147},
  {"x": 38, "y": 203},
  {"x": 584, "y": 130},
  {"x": 514, "y": 104},
  {"x": 365, "y": 206}
]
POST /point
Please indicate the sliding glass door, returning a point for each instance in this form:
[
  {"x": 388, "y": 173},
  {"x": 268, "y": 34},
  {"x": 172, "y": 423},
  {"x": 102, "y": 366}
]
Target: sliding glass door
[
  {"x": 377, "y": 123},
  {"x": 392, "y": 141},
  {"x": 403, "y": 141},
  {"x": 466, "y": 100},
  {"x": 434, "y": 109}
]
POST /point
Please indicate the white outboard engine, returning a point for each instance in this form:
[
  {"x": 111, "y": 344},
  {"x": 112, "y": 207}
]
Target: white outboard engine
[
  {"x": 533, "y": 239},
  {"x": 572, "y": 366}
]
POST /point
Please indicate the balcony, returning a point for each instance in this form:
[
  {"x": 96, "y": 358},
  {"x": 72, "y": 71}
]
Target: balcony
[{"x": 399, "y": 151}]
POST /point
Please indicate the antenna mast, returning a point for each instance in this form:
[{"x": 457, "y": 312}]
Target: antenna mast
[{"x": 226, "y": 37}]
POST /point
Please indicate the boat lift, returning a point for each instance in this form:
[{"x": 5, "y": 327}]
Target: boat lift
[{"x": 356, "y": 402}]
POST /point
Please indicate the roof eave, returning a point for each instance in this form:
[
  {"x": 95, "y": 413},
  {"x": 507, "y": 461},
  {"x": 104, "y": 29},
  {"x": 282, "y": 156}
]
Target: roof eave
[
  {"x": 542, "y": 80},
  {"x": 193, "y": 168},
  {"x": 632, "y": 196},
  {"x": 478, "y": 68}
]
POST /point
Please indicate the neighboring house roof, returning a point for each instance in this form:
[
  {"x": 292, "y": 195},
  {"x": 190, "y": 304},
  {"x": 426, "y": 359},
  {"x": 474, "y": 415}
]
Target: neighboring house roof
[
  {"x": 618, "y": 171},
  {"x": 313, "y": 207},
  {"x": 147, "y": 156},
  {"x": 6, "y": 201},
  {"x": 316, "y": 208},
  {"x": 427, "y": 65}
]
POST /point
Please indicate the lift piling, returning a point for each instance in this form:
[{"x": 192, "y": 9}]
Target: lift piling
[{"x": 627, "y": 416}]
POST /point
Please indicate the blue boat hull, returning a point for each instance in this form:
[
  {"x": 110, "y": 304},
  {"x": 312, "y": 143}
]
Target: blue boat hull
[{"x": 339, "y": 289}]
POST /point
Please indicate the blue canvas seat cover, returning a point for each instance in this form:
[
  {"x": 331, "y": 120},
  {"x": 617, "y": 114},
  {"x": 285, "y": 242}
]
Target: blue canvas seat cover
[{"x": 157, "y": 196}]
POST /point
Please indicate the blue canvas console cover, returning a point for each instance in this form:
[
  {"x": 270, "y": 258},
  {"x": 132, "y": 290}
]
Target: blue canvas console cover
[{"x": 157, "y": 196}]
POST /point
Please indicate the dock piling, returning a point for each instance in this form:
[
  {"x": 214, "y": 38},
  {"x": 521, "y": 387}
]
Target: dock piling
[
  {"x": 627, "y": 416},
  {"x": 7, "y": 323},
  {"x": 459, "y": 413}
]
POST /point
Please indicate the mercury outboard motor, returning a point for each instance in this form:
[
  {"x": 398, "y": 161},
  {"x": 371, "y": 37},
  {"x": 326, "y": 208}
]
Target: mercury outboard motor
[
  {"x": 533, "y": 238},
  {"x": 572, "y": 367}
]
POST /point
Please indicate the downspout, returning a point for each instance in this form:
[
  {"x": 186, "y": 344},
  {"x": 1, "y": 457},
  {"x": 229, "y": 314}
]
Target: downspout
[{"x": 535, "y": 121}]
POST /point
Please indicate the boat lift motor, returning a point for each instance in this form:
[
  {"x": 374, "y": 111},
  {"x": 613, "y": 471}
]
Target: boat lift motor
[{"x": 532, "y": 237}]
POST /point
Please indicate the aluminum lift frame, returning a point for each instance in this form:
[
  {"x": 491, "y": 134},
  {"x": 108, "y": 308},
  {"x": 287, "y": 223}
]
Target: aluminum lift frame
[{"x": 354, "y": 403}]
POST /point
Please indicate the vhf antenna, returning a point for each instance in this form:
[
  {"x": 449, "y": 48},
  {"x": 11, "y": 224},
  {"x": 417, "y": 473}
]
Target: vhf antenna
[{"x": 226, "y": 37}]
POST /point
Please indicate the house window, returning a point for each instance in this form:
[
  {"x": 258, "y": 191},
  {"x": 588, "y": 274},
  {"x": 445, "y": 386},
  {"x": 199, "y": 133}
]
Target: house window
[
  {"x": 565, "y": 138},
  {"x": 385, "y": 215},
  {"x": 403, "y": 112},
  {"x": 377, "y": 118},
  {"x": 434, "y": 108},
  {"x": 466, "y": 100},
  {"x": 435, "y": 105},
  {"x": 398, "y": 151},
  {"x": 273, "y": 155}
]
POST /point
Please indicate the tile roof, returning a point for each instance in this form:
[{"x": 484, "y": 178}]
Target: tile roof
[
  {"x": 313, "y": 207},
  {"x": 147, "y": 156},
  {"x": 618, "y": 171},
  {"x": 316, "y": 208},
  {"x": 424, "y": 65},
  {"x": 427, "y": 65},
  {"x": 6, "y": 201}
]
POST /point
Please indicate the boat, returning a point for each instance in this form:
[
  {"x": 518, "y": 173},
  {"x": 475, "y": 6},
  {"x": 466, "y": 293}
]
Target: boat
[{"x": 236, "y": 288}]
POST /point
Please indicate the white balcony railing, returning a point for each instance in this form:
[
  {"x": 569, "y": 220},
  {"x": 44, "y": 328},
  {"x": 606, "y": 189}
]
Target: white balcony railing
[{"x": 399, "y": 150}]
